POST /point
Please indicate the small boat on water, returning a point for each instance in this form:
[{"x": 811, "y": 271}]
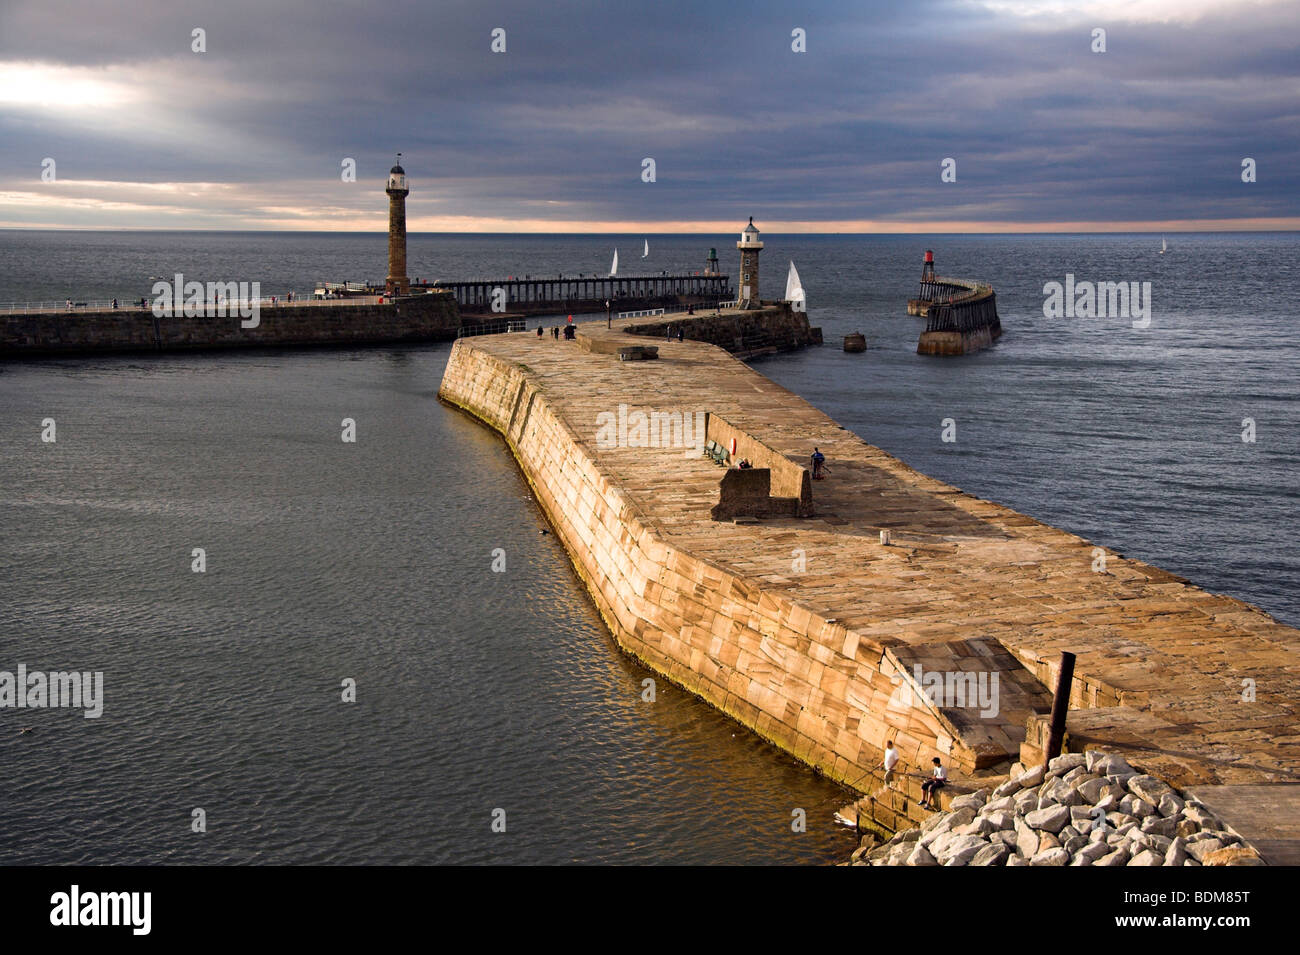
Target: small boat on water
[
  {"x": 1163, "y": 245},
  {"x": 646, "y": 253},
  {"x": 613, "y": 268}
]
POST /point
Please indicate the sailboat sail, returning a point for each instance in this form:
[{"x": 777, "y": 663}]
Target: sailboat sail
[
  {"x": 647, "y": 249},
  {"x": 1163, "y": 246},
  {"x": 794, "y": 293},
  {"x": 613, "y": 269}
]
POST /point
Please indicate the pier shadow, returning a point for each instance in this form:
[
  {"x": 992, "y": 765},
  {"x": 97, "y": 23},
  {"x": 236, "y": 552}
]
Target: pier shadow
[{"x": 860, "y": 499}]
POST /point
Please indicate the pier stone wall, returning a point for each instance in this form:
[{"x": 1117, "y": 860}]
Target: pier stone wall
[
  {"x": 830, "y": 665},
  {"x": 776, "y": 327},
  {"x": 806, "y": 683},
  {"x": 420, "y": 318},
  {"x": 789, "y": 480}
]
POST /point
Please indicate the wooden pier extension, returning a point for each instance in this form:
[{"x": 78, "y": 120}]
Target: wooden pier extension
[
  {"x": 962, "y": 315},
  {"x": 966, "y": 321},
  {"x": 534, "y": 295}
]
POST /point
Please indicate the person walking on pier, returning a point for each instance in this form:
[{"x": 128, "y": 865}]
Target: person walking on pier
[
  {"x": 819, "y": 464},
  {"x": 891, "y": 760},
  {"x": 931, "y": 786}
]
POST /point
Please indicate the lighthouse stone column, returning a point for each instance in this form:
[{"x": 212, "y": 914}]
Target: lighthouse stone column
[{"x": 397, "y": 282}]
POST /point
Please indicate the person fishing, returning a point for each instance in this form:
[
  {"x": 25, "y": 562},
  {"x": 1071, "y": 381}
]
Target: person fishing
[{"x": 818, "y": 464}]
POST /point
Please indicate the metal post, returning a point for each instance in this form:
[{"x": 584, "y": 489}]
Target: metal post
[{"x": 1060, "y": 704}]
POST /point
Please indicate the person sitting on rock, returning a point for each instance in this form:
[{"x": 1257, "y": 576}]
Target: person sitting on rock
[{"x": 931, "y": 786}]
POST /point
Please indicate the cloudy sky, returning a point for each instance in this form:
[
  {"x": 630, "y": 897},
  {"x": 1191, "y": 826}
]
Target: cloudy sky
[{"x": 551, "y": 134}]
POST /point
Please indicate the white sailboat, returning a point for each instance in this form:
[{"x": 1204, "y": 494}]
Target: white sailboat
[
  {"x": 647, "y": 249},
  {"x": 1163, "y": 246},
  {"x": 613, "y": 268},
  {"x": 794, "y": 293}
]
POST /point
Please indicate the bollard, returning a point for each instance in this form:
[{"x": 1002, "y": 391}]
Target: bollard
[{"x": 1060, "y": 704}]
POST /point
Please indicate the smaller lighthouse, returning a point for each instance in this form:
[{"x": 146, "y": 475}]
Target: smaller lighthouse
[
  {"x": 749, "y": 246},
  {"x": 711, "y": 263},
  {"x": 397, "y": 282}
]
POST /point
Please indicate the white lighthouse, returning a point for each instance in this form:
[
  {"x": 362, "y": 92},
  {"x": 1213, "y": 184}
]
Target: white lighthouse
[{"x": 749, "y": 245}]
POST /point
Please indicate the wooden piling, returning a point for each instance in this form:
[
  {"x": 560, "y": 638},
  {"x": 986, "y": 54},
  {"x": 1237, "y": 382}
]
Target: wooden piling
[{"x": 1060, "y": 705}]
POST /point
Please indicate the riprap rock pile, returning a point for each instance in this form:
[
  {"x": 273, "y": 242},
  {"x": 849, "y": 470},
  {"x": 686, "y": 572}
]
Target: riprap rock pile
[{"x": 1084, "y": 809}]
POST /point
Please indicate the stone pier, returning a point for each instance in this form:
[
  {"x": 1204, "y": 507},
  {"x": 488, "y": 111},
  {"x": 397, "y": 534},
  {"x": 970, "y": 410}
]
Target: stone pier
[
  {"x": 132, "y": 329},
  {"x": 802, "y": 625},
  {"x": 961, "y": 316}
]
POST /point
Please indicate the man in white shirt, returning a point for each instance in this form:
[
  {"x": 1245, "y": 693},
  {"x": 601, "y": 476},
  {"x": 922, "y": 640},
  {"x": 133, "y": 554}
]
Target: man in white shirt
[
  {"x": 891, "y": 760},
  {"x": 932, "y": 785}
]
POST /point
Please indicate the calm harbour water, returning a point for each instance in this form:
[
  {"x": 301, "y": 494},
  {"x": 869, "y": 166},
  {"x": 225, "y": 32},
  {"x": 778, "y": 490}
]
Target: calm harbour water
[{"x": 476, "y": 690}]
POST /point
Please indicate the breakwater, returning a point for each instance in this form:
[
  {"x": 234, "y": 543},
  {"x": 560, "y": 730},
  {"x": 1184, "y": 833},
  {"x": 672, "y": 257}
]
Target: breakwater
[
  {"x": 748, "y": 333},
  {"x": 825, "y": 640},
  {"x": 961, "y": 316},
  {"x": 417, "y": 318}
]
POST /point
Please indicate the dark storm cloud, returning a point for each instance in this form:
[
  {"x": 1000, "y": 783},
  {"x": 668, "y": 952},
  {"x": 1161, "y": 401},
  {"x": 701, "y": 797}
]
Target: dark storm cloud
[{"x": 1041, "y": 128}]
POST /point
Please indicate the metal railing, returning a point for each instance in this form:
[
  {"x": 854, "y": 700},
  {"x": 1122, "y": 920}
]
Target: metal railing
[
  {"x": 640, "y": 314},
  {"x": 207, "y": 307},
  {"x": 11, "y": 308},
  {"x": 345, "y": 300},
  {"x": 712, "y": 278},
  {"x": 492, "y": 328},
  {"x": 967, "y": 313}
]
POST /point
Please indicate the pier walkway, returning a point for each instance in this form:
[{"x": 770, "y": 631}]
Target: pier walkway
[
  {"x": 813, "y": 632},
  {"x": 585, "y": 293}
]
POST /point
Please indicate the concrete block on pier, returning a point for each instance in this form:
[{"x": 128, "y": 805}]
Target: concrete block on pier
[{"x": 747, "y": 492}]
